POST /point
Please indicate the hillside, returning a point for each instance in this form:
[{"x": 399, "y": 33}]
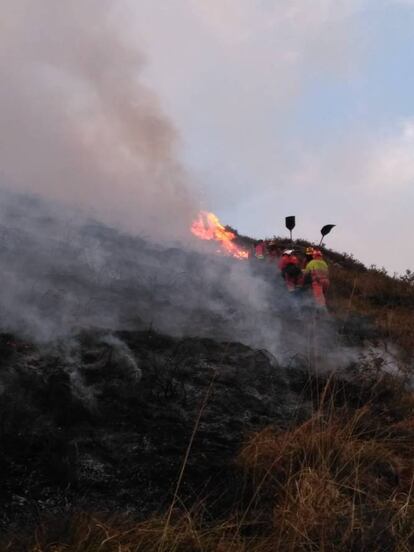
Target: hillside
[
  {"x": 368, "y": 294},
  {"x": 161, "y": 398}
]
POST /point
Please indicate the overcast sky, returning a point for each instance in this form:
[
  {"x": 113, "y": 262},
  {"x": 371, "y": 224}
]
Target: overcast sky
[{"x": 286, "y": 107}]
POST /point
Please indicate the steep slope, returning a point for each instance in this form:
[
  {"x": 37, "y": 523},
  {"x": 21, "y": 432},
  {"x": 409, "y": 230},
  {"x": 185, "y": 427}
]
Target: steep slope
[
  {"x": 360, "y": 296},
  {"x": 141, "y": 378}
]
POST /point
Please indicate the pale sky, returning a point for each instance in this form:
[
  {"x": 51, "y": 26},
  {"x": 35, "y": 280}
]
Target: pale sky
[{"x": 292, "y": 107}]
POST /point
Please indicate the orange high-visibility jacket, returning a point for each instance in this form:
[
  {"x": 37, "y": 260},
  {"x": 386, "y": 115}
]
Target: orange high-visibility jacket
[
  {"x": 286, "y": 260},
  {"x": 260, "y": 250}
]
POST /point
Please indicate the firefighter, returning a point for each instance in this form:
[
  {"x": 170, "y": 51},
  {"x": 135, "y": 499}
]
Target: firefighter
[
  {"x": 259, "y": 250},
  {"x": 273, "y": 253},
  {"x": 309, "y": 251},
  {"x": 317, "y": 273},
  {"x": 307, "y": 277},
  {"x": 290, "y": 269}
]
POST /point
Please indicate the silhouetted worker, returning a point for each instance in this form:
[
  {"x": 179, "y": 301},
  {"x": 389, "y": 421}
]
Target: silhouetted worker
[
  {"x": 260, "y": 250},
  {"x": 309, "y": 251},
  {"x": 307, "y": 278},
  {"x": 317, "y": 272},
  {"x": 273, "y": 251},
  {"x": 290, "y": 269}
]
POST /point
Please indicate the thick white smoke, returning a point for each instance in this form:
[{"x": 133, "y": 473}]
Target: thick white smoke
[{"x": 77, "y": 123}]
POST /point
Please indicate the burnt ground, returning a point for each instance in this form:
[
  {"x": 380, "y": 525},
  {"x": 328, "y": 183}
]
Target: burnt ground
[
  {"x": 100, "y": 420},
  {"x": 103, "y": 424}
]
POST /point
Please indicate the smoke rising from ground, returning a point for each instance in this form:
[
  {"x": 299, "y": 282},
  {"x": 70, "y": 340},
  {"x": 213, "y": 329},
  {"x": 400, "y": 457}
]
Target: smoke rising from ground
[
  {"x": 77, "y": 122},
  {"x": 63, "y": 274}
]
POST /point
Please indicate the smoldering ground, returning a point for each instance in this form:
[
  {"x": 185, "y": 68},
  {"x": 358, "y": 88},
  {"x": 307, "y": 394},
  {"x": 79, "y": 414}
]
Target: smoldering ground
[
  {"x": 75, "y": 407},
  {"x": 62, "y": 273}
]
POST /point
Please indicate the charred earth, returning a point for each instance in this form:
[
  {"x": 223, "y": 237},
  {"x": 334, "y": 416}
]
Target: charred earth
[{"x": 105, "y": 426}]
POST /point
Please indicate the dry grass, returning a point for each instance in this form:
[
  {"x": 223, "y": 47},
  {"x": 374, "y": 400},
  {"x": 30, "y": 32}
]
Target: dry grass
[
  {"x": 87, "y": 533},
  {"x": 341, "y": 481},
  {"x": 387, "y": 301}
]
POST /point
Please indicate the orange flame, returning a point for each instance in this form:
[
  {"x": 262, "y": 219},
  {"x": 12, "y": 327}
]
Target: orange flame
[{"x": 208, "y": 227}]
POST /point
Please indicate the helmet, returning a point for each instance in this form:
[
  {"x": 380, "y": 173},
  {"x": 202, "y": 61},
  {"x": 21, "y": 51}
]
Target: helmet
[
  {"x": 309, "y": 251},
  {"x": 317, "y": 254},
  {"x": 288, "y": 252}
]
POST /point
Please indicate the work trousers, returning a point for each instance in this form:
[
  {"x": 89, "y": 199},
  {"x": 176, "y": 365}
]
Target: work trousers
[{"x": 319, "y": 288}]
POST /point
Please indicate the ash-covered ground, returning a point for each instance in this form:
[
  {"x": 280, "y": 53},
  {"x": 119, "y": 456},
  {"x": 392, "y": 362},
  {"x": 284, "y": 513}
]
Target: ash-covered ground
[{"x": 105, "y": 427}]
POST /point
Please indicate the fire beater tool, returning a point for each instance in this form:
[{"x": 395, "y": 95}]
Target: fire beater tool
[
  {"x": 325, "y": 231},
  {"x": 290, "y": 225}
]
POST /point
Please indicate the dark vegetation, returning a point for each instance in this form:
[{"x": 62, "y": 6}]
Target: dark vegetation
[{"x": 137, "y": 441}]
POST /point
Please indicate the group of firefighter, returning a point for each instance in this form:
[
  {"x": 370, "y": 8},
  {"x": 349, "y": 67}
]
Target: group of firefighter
[{"x": 308, "y": 274}]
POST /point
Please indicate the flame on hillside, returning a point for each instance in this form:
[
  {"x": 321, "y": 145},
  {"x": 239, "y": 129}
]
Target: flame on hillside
[{"x": 208, "y": 227}]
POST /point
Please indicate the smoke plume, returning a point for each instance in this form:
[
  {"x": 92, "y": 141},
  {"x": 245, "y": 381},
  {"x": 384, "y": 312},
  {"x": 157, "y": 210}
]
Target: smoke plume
[{"x": 79, "y": 125}]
